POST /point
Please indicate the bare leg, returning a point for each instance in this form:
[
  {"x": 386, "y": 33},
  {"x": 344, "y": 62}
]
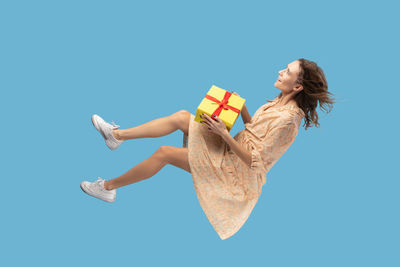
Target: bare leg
[
  {"x": 143, "y": 170},
  {"x": 176, "y": 156},
  {"x": 155, "y": 128}
]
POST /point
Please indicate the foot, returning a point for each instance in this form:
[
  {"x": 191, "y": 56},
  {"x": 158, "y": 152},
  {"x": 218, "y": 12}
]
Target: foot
[
  {"x": 96, "y": 189},
  {"x": 106, "y": 130}
]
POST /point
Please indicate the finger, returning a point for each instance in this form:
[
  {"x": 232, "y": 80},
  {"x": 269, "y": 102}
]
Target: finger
[
  {"x": 209, "y": 119},
  {"x": 204, "y": 120},
  {"x": 205, "y": 117},
  {"x": 205, "y": 123}
]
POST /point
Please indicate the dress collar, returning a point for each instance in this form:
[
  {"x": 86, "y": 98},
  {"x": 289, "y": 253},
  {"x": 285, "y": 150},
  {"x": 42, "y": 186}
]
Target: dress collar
[{"x": 294, "y": 108}]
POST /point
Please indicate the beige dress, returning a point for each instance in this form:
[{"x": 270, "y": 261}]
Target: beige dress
[{"x": 226, "y": 187}]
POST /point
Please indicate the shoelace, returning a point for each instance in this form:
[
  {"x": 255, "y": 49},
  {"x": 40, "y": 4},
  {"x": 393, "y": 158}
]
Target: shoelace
[
  {"x": 98, "y": 181},
  {"x": 115, "y": 126}
]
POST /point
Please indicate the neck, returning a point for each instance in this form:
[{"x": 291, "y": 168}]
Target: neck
[{"x": 286, "y": 99}]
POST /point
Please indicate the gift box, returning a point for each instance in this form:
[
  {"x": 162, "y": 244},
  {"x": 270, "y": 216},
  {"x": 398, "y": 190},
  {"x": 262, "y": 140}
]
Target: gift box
[{"x": 221, "y": 103}]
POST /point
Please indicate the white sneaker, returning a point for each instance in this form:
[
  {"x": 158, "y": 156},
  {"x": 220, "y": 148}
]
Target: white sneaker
[
  {"x": 106, "y": 131},
  {"x": 96, "y": 189}
]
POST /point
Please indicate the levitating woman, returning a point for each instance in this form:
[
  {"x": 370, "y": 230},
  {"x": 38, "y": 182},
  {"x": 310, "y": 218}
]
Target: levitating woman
[{"x": 228, "y": 172}]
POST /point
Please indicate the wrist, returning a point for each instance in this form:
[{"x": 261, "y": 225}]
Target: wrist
[{"x": 225, "y": 134}]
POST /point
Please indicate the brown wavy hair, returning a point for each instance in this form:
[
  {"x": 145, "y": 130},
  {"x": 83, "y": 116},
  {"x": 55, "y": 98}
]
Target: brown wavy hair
[{"x": 315, "y": 89}]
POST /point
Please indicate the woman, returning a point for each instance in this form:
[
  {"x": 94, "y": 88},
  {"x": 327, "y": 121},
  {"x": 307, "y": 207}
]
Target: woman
[{"x": 228, "y": 172}]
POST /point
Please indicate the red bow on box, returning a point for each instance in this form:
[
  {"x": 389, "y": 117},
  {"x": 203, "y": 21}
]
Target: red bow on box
[{"x": 223, "y": 104}]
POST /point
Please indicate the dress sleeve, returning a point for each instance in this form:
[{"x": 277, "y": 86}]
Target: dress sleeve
[{"x": 265, "y": 153}]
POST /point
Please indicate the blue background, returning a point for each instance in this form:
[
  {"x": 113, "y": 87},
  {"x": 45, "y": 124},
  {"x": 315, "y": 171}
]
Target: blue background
[{"x": 331, "y": 200}]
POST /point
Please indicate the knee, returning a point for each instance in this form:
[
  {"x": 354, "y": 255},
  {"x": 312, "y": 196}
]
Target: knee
[
  {"x": 183, "y": 118},
  {"x": 183, "y": 114},
  {"x": 163, "y": 151}
]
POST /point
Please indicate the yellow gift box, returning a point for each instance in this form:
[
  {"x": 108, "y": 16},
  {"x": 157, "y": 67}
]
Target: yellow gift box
[{"x": 221, "y": 103}]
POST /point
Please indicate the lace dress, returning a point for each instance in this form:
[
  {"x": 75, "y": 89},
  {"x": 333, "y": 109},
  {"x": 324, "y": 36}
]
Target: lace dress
[{"x": 226, "y": 187}]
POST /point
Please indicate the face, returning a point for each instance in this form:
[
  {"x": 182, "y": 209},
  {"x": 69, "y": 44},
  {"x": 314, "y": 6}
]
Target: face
[{"x": 287, "y": 77}]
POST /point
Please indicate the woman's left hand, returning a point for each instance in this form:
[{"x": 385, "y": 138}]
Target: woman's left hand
[{"x": 216, "y": 126}]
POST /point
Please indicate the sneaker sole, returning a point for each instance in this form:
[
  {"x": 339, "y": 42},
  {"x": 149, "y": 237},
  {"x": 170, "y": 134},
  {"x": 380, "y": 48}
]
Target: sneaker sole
[{"x": 94, "y": 196}]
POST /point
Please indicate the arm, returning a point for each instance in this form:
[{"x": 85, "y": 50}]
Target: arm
[
  {"x": 245, "y": 115},
  {"x": 237, "y": 148}
]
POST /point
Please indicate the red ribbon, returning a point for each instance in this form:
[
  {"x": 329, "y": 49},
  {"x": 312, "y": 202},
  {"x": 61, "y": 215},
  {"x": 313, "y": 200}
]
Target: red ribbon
[{"x": 223, "y": 104}]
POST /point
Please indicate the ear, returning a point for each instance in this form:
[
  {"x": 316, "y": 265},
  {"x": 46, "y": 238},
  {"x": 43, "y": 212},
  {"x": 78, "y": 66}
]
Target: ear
[{"x": 299, "y": 87}]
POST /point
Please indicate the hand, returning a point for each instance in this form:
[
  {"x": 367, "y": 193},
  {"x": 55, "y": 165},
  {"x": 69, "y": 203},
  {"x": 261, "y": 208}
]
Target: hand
[
  {"x": 235, "y": 93},
  {"x": 215, "y": 125}
]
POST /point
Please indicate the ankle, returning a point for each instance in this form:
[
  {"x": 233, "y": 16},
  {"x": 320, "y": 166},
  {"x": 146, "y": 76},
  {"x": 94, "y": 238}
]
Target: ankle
[
  {"x": 117, "y": 134},
  {"x": 107, "y": 185}
]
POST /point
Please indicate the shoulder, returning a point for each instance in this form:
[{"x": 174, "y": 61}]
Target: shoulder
[
  {"x": 291, "y": 115},
  {"x": 286, "y": 116}
]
